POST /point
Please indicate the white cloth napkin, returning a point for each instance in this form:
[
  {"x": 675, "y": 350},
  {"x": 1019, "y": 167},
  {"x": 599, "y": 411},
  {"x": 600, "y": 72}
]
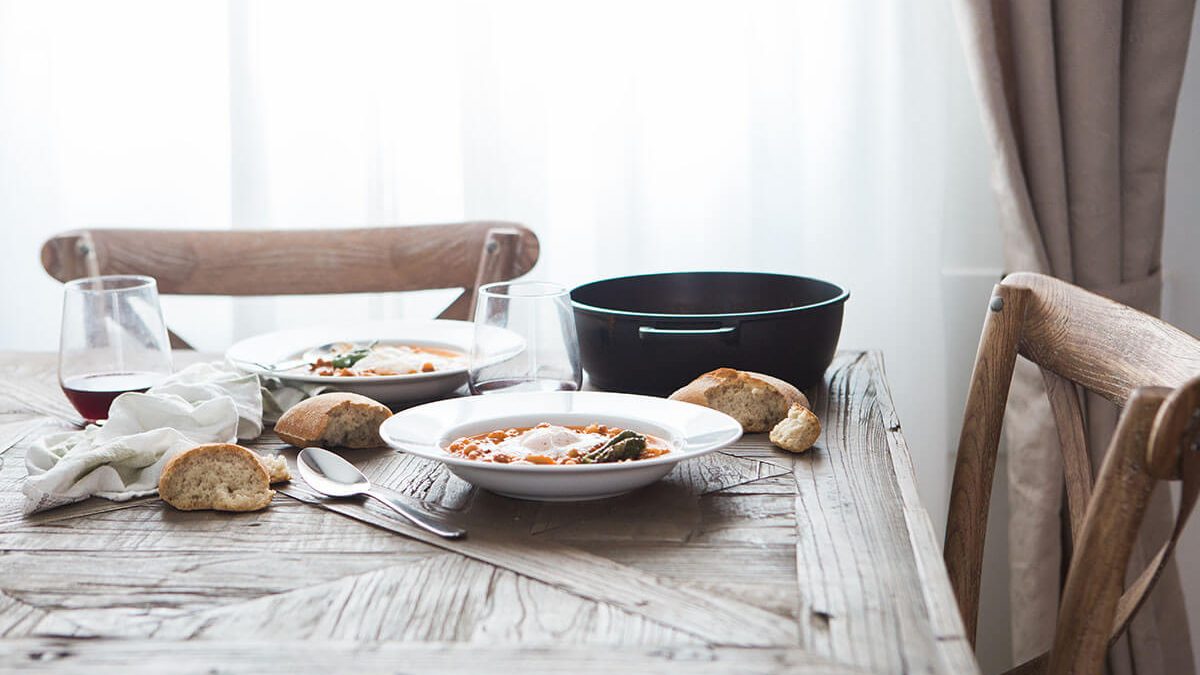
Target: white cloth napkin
[{"x": 122, "y": 460}]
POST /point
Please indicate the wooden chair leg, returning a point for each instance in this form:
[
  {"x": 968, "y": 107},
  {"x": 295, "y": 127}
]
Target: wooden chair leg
[
  {"x": 1114, "y": 515},
  {"x": 975, "y": 464}
]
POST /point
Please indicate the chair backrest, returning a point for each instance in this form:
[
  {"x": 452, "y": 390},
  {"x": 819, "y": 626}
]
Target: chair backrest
[
  {"x": 301, "y": 262},
  {"x": 1139, "y": 362}
]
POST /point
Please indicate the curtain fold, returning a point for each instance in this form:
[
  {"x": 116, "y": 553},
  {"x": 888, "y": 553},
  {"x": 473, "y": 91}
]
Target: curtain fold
[{"x": 1079, "y": 102}]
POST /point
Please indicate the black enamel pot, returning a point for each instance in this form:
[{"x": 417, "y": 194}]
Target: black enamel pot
[{"x": 653, "y": 333}]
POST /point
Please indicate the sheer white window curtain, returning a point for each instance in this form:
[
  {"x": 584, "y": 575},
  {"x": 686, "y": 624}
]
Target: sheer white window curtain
[{"x": 834, "y": 139}]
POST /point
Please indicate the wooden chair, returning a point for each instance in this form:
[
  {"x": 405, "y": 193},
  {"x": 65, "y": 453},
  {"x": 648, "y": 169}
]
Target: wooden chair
[
  {"x": 302, "y": 262},
  {"x": 1138, "y": 362}
]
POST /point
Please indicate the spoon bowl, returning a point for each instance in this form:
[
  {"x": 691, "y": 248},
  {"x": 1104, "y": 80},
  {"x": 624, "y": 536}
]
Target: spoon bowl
[
  {"x": 329, "y": 474},
  {"x": 333, "y": 476}
]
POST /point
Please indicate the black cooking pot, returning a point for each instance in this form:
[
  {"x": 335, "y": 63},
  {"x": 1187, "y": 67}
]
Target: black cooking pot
[{"x": 653, "y": 333}]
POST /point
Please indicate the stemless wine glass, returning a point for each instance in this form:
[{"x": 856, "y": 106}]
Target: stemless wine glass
[
  {"x": 540, "y": 314},
  {"x": 113, "y": 340}
]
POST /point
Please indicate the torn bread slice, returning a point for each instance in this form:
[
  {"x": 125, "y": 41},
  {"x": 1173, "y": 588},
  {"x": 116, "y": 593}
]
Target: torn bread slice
[
  {"x": 755, "y": 400},
  {"x": 217, "y": 476}
]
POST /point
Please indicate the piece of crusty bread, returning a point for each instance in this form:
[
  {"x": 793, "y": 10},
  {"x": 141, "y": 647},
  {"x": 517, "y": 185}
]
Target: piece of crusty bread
[
  {"x": 755, "y": 400},
  {"x": 338, "y": 419},
  {"x": 276, "y": 466},
  {"x": 798, "y": 431},
  {"x": 218, "y": 476}
]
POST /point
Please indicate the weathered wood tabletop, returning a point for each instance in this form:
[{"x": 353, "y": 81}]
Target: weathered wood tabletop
[{"x": 748, "y": 560}]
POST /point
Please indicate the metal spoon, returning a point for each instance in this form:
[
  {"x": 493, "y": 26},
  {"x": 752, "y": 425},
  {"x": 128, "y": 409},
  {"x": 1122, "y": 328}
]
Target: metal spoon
[
  {"x": 308, "y": 358},
  {"x": 324, "y": 351},
  {"x": 331, "y": 475}
]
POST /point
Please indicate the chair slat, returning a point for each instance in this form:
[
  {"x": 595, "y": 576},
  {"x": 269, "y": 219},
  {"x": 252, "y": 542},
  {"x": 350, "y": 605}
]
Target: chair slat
[
  {"x": 1103, "y": 345},
  {"x": 1072, "y": 437},
  {"x": 289, "y": 262}
]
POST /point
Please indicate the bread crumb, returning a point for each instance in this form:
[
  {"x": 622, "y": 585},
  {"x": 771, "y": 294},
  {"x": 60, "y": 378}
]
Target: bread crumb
[
  {"x": 798, "y": 431},
  {"x": 277, "y": 468}
]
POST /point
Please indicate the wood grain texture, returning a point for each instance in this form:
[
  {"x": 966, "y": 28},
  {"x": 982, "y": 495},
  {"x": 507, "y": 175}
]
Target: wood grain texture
[
  {"x": 1067, "y": 409},
  {"x": 855, "y": 556},
  {"x": 302, "y": 262},
  {"x": 1104, "y": 545},
  {"x": 1174, "y": 429},
  {"x": 747, "y": 560},
  {"x": 288, "y": 262},
  {"x": 1100, "y": 344},
  {"x": 120, "y": 657},
  {"x": 1080, "y": 339},
  {"x": 975, "y": 464}
]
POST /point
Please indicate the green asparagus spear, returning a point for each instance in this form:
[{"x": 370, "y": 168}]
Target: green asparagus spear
[
  {"x": 625, "y": 445},
  {"x": 348, "y": 359}
]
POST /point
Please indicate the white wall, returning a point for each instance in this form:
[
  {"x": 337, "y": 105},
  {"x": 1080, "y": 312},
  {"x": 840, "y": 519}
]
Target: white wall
[{"x": 1181, "y": 263}]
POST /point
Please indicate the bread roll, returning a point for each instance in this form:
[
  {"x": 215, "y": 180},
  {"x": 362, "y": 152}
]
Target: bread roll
[
  {"x": 755, "y": 400},
  {"x": 218, "y": 476},
  {"x": 798, "y": 431},
  {"x": 334, "y": 420}
]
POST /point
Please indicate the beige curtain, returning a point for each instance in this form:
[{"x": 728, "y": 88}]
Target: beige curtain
[{"x": 1079, "y": 100}]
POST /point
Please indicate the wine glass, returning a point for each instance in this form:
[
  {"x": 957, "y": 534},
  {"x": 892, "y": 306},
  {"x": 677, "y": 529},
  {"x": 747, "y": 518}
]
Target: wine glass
[
  {"x": 540, "y": 314},
  {"x": 113, "y": 340}
]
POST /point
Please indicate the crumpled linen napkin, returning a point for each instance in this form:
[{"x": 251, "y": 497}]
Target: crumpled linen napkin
[{"x": 122, "y": 460}]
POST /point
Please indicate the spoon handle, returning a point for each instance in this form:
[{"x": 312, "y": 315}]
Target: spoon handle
[{"x": 419, "y": 518}]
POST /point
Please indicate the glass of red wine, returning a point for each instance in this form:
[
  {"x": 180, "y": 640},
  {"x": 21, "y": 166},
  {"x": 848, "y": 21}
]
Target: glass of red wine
[
  {"x": 113, "y": 341},
  {"x": 540, "y": 313}
]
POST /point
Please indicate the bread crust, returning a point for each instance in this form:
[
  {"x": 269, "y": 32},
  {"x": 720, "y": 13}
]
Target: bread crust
[
  {"x": 304, "y": 424},
  {"x": 696, "y": 391},
  {"x": 254, "y": 465}
]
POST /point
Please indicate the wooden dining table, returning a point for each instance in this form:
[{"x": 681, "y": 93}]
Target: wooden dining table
[{"x": 748, "y": 560}]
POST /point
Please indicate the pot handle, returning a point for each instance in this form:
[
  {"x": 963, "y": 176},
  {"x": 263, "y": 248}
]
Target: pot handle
[{"x": 644, "y": 331}]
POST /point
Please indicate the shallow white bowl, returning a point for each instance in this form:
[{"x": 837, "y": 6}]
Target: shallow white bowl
[
  {"x": 253, "y": 353},
  {"x": 691, "y": 430}
]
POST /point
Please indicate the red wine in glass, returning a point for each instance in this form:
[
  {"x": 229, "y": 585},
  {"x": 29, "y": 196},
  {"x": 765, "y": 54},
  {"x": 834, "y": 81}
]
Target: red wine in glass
[
  {"x": 92, "y": 395},
  {"x": 523, "y": 384},
  {"x": 113, "y": 341}
]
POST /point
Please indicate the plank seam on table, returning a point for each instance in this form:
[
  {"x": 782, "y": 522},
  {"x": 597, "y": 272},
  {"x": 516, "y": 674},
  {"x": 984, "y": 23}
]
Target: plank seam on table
[
  {"x": 821, "y": 615},
  {"x": 763, "y": 626},
  {"x": 848, "y": 468},
  {"x": 20, "y": 435},
  {"x": 956, "y": 653},
  {"x": 81, "y": 509},
  {"x": 32, "y": 613},
  {"x": 782, "y": 469},
  {"x": 36, "y": 402},
  {"x": 303, "y": 611},
  {"x": 104, "y": 655}
]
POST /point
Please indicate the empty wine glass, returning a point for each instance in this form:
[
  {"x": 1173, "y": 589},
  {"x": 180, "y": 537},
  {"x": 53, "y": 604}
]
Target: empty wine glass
[
  {"x": 540, "y": 314},
  {"x": 113, "y": 341}
]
